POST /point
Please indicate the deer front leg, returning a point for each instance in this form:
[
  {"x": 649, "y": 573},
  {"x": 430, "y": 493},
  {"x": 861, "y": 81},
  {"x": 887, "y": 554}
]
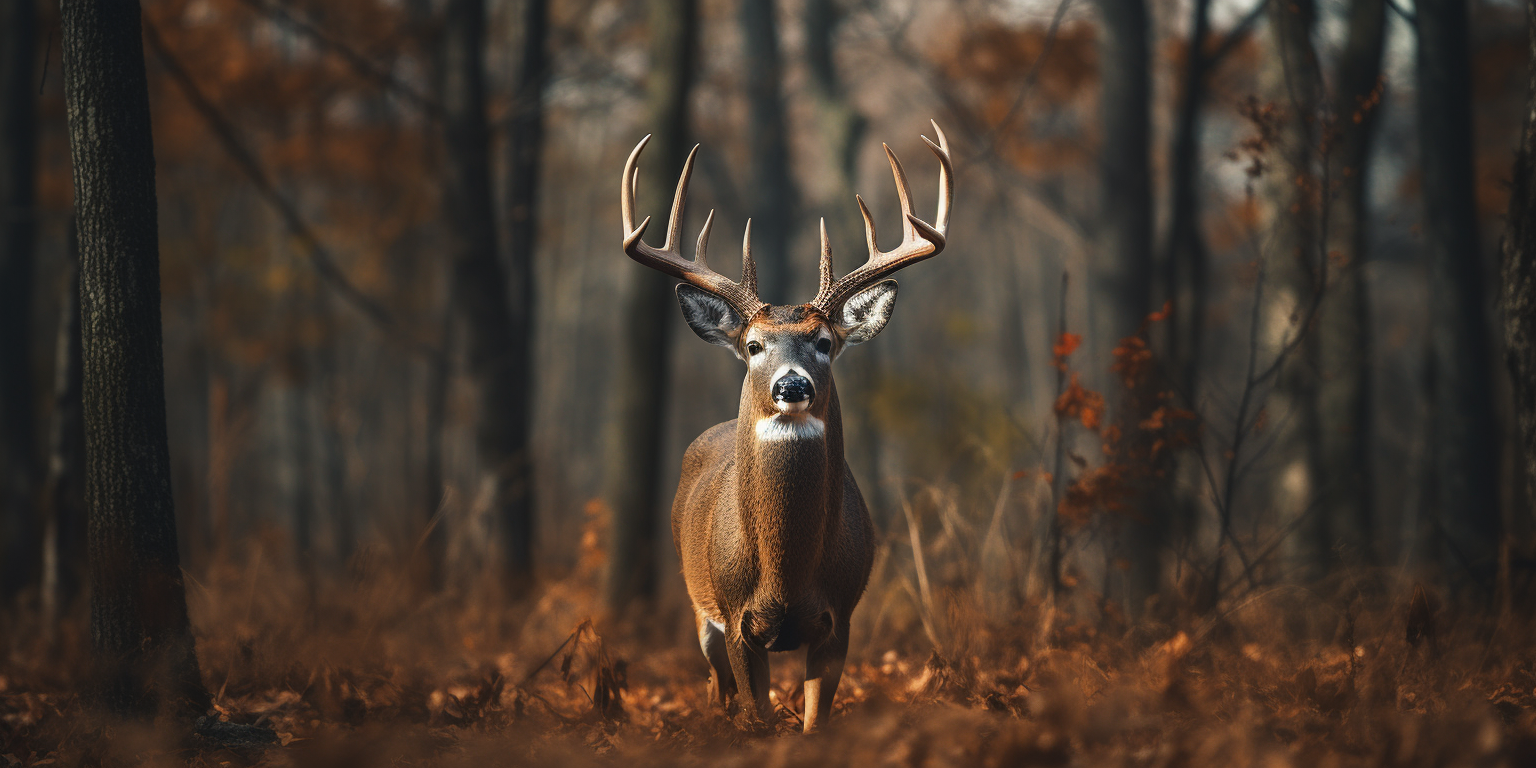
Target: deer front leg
[
  {"x": 750, "y": 667},
  {"x": 823, "y": 671},
  {"x": 722, "y": 682}
]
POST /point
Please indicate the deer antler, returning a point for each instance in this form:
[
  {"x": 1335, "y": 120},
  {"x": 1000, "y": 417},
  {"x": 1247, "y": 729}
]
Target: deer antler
[
  {"x": 669, "y": 259},
  {"x": 919, "y": 240}
]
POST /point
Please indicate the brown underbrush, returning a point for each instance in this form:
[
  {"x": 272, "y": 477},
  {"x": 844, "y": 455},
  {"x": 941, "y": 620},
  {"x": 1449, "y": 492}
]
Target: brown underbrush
[{"x": 365, "y": 669}]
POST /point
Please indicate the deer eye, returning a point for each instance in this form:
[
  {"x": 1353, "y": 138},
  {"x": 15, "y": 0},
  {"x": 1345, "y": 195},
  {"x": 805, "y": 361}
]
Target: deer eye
[
  {"x": 824, "y": 345},
  {"x": 753, "y": 348}
]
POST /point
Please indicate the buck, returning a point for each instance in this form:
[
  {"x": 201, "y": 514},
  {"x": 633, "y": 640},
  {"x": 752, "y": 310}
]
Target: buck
[{"x": 775, "y": 541}]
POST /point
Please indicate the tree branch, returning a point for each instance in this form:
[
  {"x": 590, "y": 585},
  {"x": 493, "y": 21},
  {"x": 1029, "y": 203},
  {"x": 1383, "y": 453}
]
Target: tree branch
[
  {"x": 364, "y": 66},
  {"x": 243, "y": 158}
]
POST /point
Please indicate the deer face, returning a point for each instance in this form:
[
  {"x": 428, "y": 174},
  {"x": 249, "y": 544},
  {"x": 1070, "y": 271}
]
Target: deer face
[{"x": 788, "y": 349}]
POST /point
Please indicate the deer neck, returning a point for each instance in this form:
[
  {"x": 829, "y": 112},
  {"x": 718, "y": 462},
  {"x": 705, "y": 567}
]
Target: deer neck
[{"x": 789, "y": 490}]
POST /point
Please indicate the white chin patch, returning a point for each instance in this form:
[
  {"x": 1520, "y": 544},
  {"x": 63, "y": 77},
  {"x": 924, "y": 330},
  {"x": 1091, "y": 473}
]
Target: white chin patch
[
  {"x": 790, "y": 428},
  {"x": 791, "y": 408}
]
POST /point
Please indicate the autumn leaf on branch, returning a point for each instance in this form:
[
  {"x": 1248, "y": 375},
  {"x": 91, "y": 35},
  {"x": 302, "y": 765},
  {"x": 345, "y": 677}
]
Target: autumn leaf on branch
[
  {"x": 1063, "y": 348},
  {"x": 1081, "y": 403}
]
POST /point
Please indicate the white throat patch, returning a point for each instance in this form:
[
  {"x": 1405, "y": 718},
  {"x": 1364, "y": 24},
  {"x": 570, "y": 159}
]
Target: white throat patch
[{"x": 790, "y": 427}]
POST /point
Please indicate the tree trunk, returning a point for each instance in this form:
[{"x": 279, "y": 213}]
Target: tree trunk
[
  {"x": 842, "y": 130},
  {"x": 1519, "y": 275},
  {"x": 63, "y": 508},
  {"x": 18, "y": 183},
  {"x": 493, "y": 339},
  {"x": 647, "y": 310},
  {"x": 1184, "y": 281},
  {"x": 1465, "y": 438},
  {"x": 139, "y": 625},
  {"x": 770, "y": 193},
  {"x": 1122, "y": 271},
  {"x": 525, "y": 143},
  {"x": 1293, "y": 186},
  {"x": 1345, "y": 491}
]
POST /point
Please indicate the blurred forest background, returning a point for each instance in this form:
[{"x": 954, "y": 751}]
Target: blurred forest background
[{"x": 1216, "y": 321}]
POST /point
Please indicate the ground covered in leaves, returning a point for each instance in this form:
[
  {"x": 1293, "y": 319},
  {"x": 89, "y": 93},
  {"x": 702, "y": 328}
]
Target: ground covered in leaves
[{"x": 370, "y": 671}]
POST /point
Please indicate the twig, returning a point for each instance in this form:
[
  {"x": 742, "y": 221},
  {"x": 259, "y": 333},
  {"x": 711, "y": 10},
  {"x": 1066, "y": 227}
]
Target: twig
[
  {"x": 1235, "y": 36},
  {"x": 245, "y": 159},
  {"x": 47, "y": 54},
  {"x": 1029, "y": 77},
  {"x": 362, "y": 64},
  {"x": 1253, "y": 378},
  {"x": 1058, "y": 468},
  {"x": 575, "y": 633},
  {"x": 1408, "y": 16},
  {"x": 915, "y": 537}
]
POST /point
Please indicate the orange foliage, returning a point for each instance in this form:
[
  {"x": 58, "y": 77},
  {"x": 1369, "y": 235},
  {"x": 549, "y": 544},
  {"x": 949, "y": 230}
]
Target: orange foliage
[
  {"x": 1078, "y": 402},
  {"x": 1063, "y": 348},
  {"x": 1159, "y": 426}
]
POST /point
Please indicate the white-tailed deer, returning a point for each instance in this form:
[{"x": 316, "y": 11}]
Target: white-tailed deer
[{"x": 775, "y": 541}]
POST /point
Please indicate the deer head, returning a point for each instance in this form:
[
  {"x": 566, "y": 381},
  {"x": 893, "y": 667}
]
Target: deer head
[{"x": 789, "y": 349}]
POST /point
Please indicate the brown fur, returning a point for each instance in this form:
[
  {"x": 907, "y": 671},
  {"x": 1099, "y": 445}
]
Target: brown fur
[{"x": 775, "y": 541}]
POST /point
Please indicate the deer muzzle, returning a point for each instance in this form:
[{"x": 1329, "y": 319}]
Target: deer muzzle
[{"x": 793, "y": 393}]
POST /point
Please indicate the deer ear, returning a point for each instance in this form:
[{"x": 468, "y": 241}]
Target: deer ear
[
  {"x": 710, "y": 316},
  {"x": 866, "y": 312}
]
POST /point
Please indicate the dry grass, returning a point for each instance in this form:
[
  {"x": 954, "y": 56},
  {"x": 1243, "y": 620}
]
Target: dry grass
[{"x": 366, "y": 670}]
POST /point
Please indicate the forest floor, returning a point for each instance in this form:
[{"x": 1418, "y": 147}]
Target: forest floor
[{"x": 369, "y": 671}]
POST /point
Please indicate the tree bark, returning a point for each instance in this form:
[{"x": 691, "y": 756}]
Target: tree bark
[
  {"x": 634, "y": 440},
  {"x": 1123, "y": 269},
  {"x": 1345, "y": 480},
  {"x": 139, "y": 625},
  {"x": 493, "y": 337},
  {"x": 1518, "y": 295},
  {"x": 18, "y": 183},
  {"x": 525, "y": 143},
  {"x": 770, "y": 193},
  {"x": 1465, "y": 438}
]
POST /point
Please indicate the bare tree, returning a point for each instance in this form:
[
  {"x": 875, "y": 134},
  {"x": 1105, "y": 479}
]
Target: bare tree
[
  {"x": 1185, "y": 259},
  {"x": 1518, "y": 297},
  {"x": 1294, "y": 183},
  {"x": 139, "y": 623},
  {"x": 18, "y": 181},
  {"x": 1465, "y": 438},
  {"x": 525, "y": 143},
  {"x": 1345, "y": 481},
  {"x": 842, "y": 128},
  {"x": 1122, "y": 266},
  {"x": 63, "y": 550},
  {"x": 493, "y": 336},
  {"x": 633, "y": 466},
  {"x": 770, "y": 193}
]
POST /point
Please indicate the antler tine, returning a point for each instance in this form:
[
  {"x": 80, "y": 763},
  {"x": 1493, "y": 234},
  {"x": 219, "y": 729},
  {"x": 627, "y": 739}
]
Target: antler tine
[
  {"x": 903, "y": 193},
  {"x": 826, "y": 261},
  {"x": 627, "y": 186},
  {"x": 869, "y": 225},
  {"x": 748, "y": 264},
  {"x": 920, "y": 240},
  {"x": 946, "y": 177},
  {"x": 699, "y": 256},
  {"x": 741, "y": 296},
  {"x": 680, "y": 201}
]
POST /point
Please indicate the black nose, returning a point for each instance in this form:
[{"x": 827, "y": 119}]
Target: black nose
[{"x": 793, "y": 388}]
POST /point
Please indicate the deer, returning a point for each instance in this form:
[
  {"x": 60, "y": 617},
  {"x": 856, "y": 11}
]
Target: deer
[{"x": 774, "y": 538}]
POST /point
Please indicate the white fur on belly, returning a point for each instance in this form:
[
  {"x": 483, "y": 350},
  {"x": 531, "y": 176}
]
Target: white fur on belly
[{"x": 790, "y": 428}]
